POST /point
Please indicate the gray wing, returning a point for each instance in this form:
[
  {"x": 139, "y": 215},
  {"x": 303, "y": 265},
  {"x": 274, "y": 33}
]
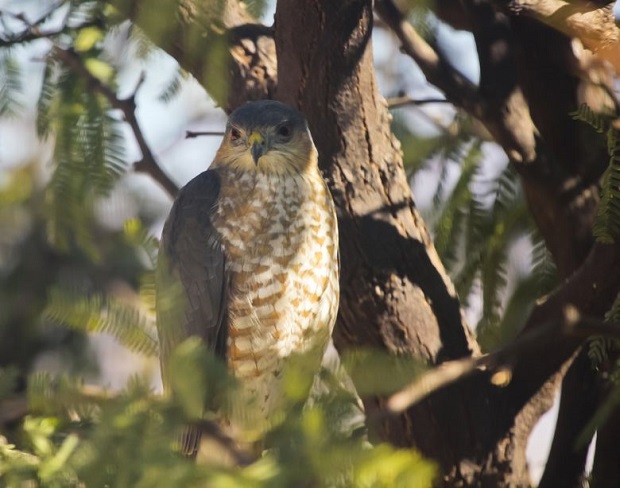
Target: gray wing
[{"x": 192, "y": 280}]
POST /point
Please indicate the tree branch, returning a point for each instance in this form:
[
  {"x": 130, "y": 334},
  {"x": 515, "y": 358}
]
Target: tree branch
[
  {"x": 591, "y": 22},
  {"x": 230, "y": 55},
  {"x": 500, "y": 364},
  {"x": 499, "y": 105},
  {"x": 189, "y": 134},
  {"x": 458, "y": 89},
  {"x": 33, "y": 32},
  {"x": 127, "y": 106},
  {"x": 404, "y": 101}
]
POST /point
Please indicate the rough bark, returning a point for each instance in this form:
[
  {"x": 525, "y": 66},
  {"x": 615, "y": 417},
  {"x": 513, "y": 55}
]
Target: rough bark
[
  {"x": 593, "y": 23},
  {"x": 566, "y": 460},
  {"x": 606, "y": 468},
  {"x": 395, "y": 293},
  {"x": 218, "y": 43},
  {"x": 389, "y": 265}
]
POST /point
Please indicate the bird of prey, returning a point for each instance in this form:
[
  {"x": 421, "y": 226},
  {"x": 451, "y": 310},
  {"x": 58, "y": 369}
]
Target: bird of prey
[{"x": 253, "y": 244}]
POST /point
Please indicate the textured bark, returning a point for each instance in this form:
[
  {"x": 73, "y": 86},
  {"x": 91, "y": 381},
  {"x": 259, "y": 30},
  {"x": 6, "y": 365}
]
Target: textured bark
[
  {"x": 218, "y": 43},
  {"x": 561, "y": 185},
  {"x": 593, "y": 23},
  {"x": 606, "y": 468},
  {"x": 563, "y": 194},
  {"x": 390, "y": 271},
  {"x": 566, "y": 460},
  {"x": 395, "y": 293}
]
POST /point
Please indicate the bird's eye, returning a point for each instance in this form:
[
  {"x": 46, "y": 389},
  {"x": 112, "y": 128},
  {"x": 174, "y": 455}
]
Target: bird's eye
[
  {"x": 284, "y": 131},
  {"x": 235, "y": 134}
]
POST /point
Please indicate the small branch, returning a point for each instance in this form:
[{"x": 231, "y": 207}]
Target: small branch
[
  {"x": 15, "y": 408},
  {"x": 229, "y": 43},
  {"x": 500, "y": 363},
  {"x": 32, "y": 32},
  {"x": 431, "y": 381},
  {"x": 191, "y": 134},
  {"x": 127, "y": 106},
  {"x": 403, "y": 101},
  {"x": 458, "y": 89}
]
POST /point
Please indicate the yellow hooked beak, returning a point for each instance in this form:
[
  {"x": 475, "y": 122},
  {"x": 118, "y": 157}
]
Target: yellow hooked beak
[{"x": 258, "y": 146}]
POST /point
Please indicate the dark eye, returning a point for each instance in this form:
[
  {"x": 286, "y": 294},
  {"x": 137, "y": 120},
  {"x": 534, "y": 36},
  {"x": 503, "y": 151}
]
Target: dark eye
[
  {"x": 235, "y": 134},
  {"x": 284, "y": 131}
]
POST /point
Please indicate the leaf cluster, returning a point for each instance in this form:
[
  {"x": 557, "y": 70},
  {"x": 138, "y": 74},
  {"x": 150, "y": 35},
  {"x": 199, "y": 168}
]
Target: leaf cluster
[
  {"x": 606, "y": 226},
  {"x": 77, "y": 437}
]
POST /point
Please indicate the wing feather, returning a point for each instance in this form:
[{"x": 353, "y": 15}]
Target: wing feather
[{"x": 192, "y": 281}]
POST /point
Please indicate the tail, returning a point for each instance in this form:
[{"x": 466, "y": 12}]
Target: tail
[{"x": 208, "y": 443}]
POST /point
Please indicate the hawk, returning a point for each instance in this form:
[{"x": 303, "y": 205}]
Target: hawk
[{"x": 253, "y": 243}]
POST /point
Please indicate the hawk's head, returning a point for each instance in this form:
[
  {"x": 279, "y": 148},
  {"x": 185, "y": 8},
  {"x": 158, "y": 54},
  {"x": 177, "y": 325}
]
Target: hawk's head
[{"x": 268, "y": 137}]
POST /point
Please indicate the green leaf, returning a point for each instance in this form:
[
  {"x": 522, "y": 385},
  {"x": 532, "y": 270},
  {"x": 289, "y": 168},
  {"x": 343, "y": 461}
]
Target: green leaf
[
  {"x": 87, "y": 38},
  {"x": 606, "y": 226},
  {"x": 11, "y": 86},
  {"x": 376, "y": 372},
  {"x": 56, "y": 463},
  {"x": 387, "y": 467},
  {"x": 99, "y": 69},
  {"x": 98, "y": 313},
  {"x": 197, "y": 378}
]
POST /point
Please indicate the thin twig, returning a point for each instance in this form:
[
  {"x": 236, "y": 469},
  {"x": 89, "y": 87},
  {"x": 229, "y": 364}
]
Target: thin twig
[
  {"x": 32, "y": 32},
  {"x": 127, "y": 106},
  {"x": 191, "y": 134},
  {"x": 403, "y": 101}
]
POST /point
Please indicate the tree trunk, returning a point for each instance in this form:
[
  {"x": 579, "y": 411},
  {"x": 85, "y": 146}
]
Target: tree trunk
[{"x": 395, "y": 293}]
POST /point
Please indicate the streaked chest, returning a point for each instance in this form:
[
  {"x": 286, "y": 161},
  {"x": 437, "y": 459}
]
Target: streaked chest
[{"x": 280, "y": 237}]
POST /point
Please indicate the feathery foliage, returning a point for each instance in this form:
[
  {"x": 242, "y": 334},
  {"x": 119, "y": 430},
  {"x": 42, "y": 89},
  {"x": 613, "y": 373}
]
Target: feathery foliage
[
  {"x": 11, "y": 89},
  {"x": 78, "y": 436},
  {"x": 174, "y": 87},
  {"x": 474, "y": 225},
  {"x": 604, "y": 353},
  {"x": 99, "y": 313},
  {"x": 599, "y": 122},
  {"x": 606, "y": 226},
  {"x": 89, "y": 159},
  {"x": 449, "y": 226}
]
